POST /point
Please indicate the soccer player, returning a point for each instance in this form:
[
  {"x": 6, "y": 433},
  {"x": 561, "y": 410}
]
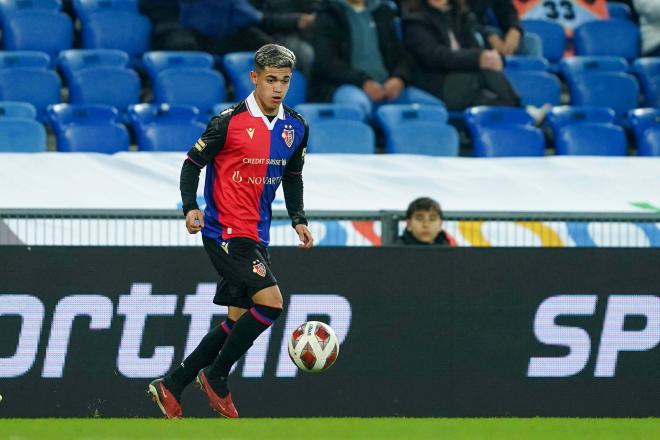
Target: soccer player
[{"x": 249, "y": 149}]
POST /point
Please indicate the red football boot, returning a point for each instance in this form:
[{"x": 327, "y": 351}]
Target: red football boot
[
  {"x": 222, "y": 405},
  {"x": 165, "y": 399}
]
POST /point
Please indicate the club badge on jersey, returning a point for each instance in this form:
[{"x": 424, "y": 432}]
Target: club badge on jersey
[{"x": 287, "y": 135}]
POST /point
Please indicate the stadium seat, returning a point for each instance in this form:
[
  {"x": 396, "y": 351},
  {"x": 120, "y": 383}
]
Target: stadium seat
[
  {"x": 165, "y": 127},
  {"x": 38, "y": 86},
  {"x": 648, "y": 72},
  {"x": 156, "y": 61},
  {"x": 417, "y": 129},
  {"x": 525, "y": 63},
  {"x": 313, "y": 112},
  {"x": 24, "y": 58},
  {"x": 341, "y": 136},
  {"x": 503, "y": 131},
  {"x": 8, "y": 6},
  {"x": 645, "y": 123},
  {"x": 87, "y": 128},
  {"x": 535, "y": 88},
  {"x": 607, "y": 37},
  {"x": 238, "y": 66},
  {"x": 98, "y": 76},
  {"x": 21, "y": 135},
  {"x": 564, "y": 115},
  {"x": 619, "y": 11},
  {"x": 552, "y": 35},
  {"x": 591, "y": 139},
  {"x": 570, "y": 67},
  {"x": 17, "y": 109},
  {"x": 121, "y": 30},
  {"x": 84, "y": 8},
  {"x": 616, "y": 90},
  {"x": 37, "y": 29},
  {"x": 195, "y": 86}
]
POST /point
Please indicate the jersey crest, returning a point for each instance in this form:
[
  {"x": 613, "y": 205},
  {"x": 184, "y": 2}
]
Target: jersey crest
[{"x": 288, "y": 135}]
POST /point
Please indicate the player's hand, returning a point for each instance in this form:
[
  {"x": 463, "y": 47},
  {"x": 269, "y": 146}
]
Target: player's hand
[
  {"x": 374, "y": 90},
  {"x": 305, "y": 236},
  {"x": 194, "y": 221},
  {"x": 511, "y": 41},
  {"x": 393, "y": 87}
]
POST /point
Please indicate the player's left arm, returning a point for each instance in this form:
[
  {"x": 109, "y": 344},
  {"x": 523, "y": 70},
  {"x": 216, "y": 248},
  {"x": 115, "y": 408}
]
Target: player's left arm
[{"x": 292, "y": 185}]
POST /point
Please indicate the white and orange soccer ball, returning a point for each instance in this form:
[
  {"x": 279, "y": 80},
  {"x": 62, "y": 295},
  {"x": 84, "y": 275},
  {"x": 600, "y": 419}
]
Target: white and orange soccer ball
[{"x": 313, "y": 347}]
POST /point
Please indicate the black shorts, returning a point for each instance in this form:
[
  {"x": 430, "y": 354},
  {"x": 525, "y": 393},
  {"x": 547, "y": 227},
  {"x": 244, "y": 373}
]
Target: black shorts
[{"x": 244, "y": 269}]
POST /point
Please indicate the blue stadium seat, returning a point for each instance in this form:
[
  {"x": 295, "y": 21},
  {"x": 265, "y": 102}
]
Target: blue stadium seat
[
  {"x": 84, "y": 8},
  {"x": 526, "y": 63},
  {"x": 587, "y": 64},
  {"x": 619, "y": 11},
  {"x": 341, "y": 136},
  {"x": 417, "y": 129},
  {"x": 87, "y": 128},
  {"x": 165, "y": 127},
  {"x": 159, "y": 60},
  {"x": 8, "y": 6},
  {"x": 37, "y": 29},
  {"x": 98, "y": 76},
  {"x": 195, "y": 86},
  {"x": 317, "y": 111},
  {"x": 24, "y": 58},
  {"x": 222, "y": 106},
  {"x": 552, "y": 35},
  {"x": 616, "y": 90},
  {"x": 607, "y": 37},
  {"x": 591, "y": 139},
  {"x": 121, "y": 30},
  {"x": 36, "y": 85},
  {"x": 535, "y": 88},
  {"x": 564, "y": 115},
  {"x": 645, "y": 123},
  {"x": 17, "y": 109},
  {"x": 503, "y": 132},
  {"x": 238, "y": 66},
  {"x": 21, "y": 135},
  {"x": 648, "y": 72}
]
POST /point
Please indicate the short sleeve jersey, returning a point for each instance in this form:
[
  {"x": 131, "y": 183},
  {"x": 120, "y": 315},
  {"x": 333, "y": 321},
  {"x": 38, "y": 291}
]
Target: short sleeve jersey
[{"x": 247, "y": 155}]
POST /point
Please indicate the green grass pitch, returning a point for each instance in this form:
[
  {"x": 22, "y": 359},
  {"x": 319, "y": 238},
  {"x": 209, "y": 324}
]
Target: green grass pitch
[{"x": 329, "y": 428}]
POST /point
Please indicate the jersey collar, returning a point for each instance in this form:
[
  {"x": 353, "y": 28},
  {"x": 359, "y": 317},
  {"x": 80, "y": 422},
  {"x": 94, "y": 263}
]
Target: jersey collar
[{"x": 256, "y": 112}]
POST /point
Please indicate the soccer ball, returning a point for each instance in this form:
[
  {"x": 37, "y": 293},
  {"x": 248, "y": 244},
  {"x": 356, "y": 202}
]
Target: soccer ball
[{"x": 313, "y": 347}]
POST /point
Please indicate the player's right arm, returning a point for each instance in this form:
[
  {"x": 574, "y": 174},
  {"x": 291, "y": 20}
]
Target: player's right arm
[{"x": 203, "y": 152}]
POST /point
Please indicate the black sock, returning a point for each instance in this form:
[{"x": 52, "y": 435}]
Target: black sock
[
  {"x": 201, "y": 357},
  {"x": 245, "y": 331}
]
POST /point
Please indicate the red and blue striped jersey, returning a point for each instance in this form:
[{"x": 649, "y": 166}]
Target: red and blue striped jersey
[{"x": 248, "y": 156}]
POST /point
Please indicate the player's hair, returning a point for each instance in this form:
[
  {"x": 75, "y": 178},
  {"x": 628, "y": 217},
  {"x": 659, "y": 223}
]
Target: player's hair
[
  {"x": 423, "y": 204},
  {"x": 274, "y": 55}
]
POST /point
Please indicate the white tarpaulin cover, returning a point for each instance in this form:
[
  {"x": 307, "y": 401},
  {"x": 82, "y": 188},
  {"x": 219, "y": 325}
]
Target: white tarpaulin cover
[{"x": 346, "y": 182}]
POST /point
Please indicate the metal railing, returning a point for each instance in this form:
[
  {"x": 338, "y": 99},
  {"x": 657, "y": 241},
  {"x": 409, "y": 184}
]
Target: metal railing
[{"x": 56, "y": 227}]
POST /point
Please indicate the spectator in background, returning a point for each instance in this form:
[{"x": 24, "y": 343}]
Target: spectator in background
[
  {"x": 358, "y": 56},
  {"x": 424, "y": 225},
  {"x": 649, "y": 26},
  {"x": 167, "y": 33},
  {"x": 290, "y": 22},
  {"x": 452, "y": 64},
  {"x": 501, "y": 27}
]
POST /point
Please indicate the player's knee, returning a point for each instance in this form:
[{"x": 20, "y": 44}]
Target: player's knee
[{"x": 267, "y": 314}]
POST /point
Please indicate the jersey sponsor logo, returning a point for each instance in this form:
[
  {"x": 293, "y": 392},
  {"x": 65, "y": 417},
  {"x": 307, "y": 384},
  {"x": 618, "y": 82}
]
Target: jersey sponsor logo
[
  {"x": 250, "y": 132},
  {"x": 287, "y": 135},
  {"x": 200, "y": 144},
  {"x": 259, "y": 268},
  {"x": 262, "y": 160},
  {"x": 236, "y": 177}
]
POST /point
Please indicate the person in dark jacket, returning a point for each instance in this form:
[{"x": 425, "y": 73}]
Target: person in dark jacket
[
  {"x": 452, "y": 65},
  {"x": 424, "y": 225},
  {"x": 501, "y": 27},
  {"x": 358, "y": 56}
]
